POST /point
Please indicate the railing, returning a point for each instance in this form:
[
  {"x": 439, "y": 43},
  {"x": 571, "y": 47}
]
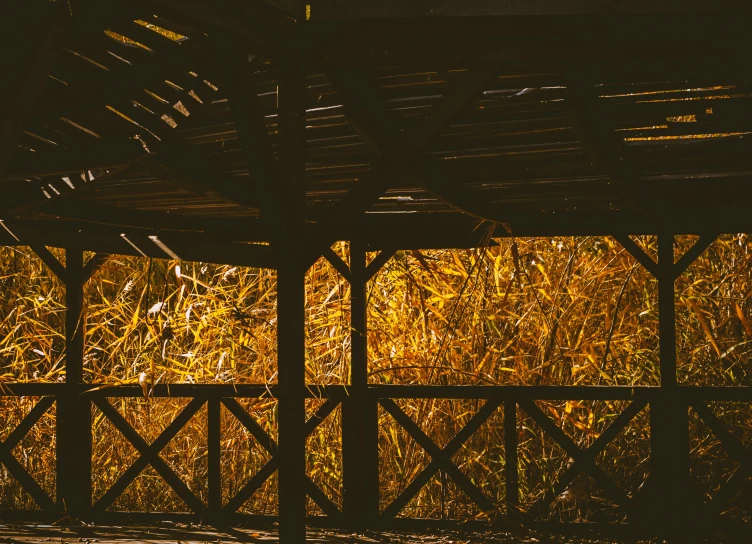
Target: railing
[
  {"x": 667, "y": 500},
  {"x": 496, "y": 398}
]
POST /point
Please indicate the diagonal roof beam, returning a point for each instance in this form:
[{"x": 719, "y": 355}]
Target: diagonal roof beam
[
  {"x": 396, "y": 153},
  {"x": 160, "y": 244},
  {"x": 240, "y": 84},
  {"x": 37, "y": 32},
  {"x": 202, "y": 176},
  {"x": 436, "y": 180},
  {"x": 26, "y": 197},
  {"x": 37, "y": 47},
  {"x": 124, "y": 81},
  {"x": 600, "y": 142},
  {"x": 271, "y": 31},
  {"x": 228, "y": 228}
]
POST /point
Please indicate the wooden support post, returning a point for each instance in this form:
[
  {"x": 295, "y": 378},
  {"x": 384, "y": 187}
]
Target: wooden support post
[
  {"x": 74, "y": 411},
  {"x": 291, "y": 311},
  {"x": 669, "y": 505},
  {"x": 360, "y": 411},
  {"x": 291, "y": 361}
]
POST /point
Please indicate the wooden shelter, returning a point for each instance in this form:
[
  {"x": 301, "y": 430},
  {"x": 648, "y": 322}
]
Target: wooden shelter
[{"x": 254, "y": 134}]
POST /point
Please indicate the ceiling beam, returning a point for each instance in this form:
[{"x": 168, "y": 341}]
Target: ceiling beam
[
  {"x": 356, "y": 9},
  {"x": 227, "y": 243},
  {"x": 93, "y": 212},
  {"x": 268, "y": 30},
  {"x": 553, "y": 40},
  {"x": 123, "y": 81},
  {"x": 265, "y": 180},
  {"x": 397, "y": 153},
  {"x": 135, "y": 242},
  {"x": 599, "y": 140},
  {"x": 35, "y": 35}
]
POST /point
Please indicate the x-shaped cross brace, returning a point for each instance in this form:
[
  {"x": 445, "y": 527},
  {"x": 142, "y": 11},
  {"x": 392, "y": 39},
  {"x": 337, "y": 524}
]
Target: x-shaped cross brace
[
  {"x": 14, "y": 467},
  {"x": 440, "y": 458},
  {"x": 735, "y": 448},
  {"x": 583, "y": 460},
  {"x": 150, "y": 454},
  {"x": 268, "y": 443}
]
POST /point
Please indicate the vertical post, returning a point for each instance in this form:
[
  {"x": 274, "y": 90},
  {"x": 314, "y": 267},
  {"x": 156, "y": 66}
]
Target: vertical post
[
  {"x": 512, "y": 498},
  {"x": 360, "y": 411},
  {"x": 214, "y": 454},
  {"x": 291, "y": 309},
  {"x": 671, "y": 506},
  {"x": 291, "y": 361},
  {"x": 74, "y": 437}
]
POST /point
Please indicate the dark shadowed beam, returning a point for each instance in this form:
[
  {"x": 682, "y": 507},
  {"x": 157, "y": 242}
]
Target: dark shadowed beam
[
  {"x": 616, "y": 35},
  {"x": 364, "y": 110},
  {"x": 274, "y": 192},
  {"x": 451, "y": 191},
  {"x": 228, "y": 229},
  {"x": 135, "y": 242},
  {"x": 268, "y": 30},
  {"x": 396, "y": 155},
  {"x": 442, "y": 229},
  {"x": 553, "y": 40},
  {"x": 291, "y": 337},
  {"x": 203, "y": 176},
  {"x": 95, "y": 156},
  {"x": 168, "y": 61},
  {"x": 34, "y": 36},
  {"x": 221, "y": 239},
  {"x": 176, "y": 160},
  {"x": 601, "y": 143},
  {"x": 379, "y": 231},
  {"x": 362, "y": 101},
  {"x": 35, "y": 194},
  {"x": 360, "y": 9}
]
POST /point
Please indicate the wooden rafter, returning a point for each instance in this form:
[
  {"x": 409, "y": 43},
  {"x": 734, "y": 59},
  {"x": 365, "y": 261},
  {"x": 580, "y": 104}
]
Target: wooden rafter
[
  {"x": 400, "y": 153},
  {"x": 265, "y": 182},
  {"x": 137, "y": 242},
  {"x": 600, "y": 142},
  {"x": 37, "y": 42},
  {"x": 364, "y": 111},
  {"x": 268, "y": 29}
]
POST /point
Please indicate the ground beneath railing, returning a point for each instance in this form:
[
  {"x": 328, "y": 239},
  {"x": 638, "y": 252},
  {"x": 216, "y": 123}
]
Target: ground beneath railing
[{"x": 187, "y": 534}]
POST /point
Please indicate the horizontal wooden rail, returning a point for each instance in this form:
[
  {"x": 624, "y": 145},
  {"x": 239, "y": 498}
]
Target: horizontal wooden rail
[{"x": 512, "y": 392}]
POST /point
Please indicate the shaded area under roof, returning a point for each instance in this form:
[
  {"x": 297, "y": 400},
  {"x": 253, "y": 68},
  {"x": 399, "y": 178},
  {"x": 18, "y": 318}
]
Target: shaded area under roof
[{"x": 419, "y": 131}]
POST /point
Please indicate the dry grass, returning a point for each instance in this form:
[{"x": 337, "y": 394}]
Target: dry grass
[{"x": 539, "y": 311}]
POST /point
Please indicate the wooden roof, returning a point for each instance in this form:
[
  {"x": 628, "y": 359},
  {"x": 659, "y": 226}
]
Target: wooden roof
[{"x": 160, "y": 120}]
